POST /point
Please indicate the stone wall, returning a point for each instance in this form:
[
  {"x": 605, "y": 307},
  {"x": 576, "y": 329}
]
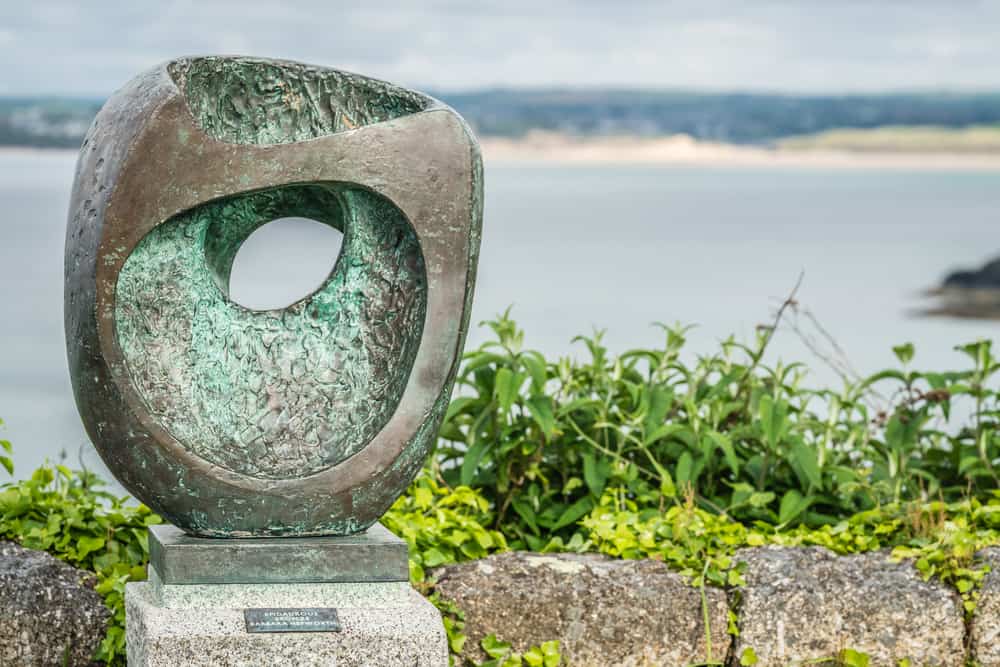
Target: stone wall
[
  {"x": 49, "y": 611},
  {"x": 797, "y": 605}
]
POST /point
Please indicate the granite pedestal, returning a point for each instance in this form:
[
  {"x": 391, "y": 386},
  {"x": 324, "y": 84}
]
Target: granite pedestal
[{"x": 193, "y": 608}]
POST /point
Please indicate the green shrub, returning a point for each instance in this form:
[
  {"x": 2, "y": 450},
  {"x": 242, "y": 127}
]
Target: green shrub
[
  {"x": 638, "y": 455},
  {"x": 442, "y": 525},
  {"x": 543, "y": 440},
  {"x": 67, "y": 514},
  {"x": 942, "y": 539}
]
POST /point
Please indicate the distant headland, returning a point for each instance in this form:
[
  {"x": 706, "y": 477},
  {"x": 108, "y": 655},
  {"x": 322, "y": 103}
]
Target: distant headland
[{"x": 605, "y": 125}]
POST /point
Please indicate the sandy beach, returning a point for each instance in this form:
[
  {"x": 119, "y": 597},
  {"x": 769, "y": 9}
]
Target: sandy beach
[
  {"x": 555, "y": 148},
  {"x": 683, "y": 150}
]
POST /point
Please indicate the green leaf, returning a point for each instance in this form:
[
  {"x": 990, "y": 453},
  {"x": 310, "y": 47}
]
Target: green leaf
[
  {"x": 526, "y": 512},
  {"x": 904, "y": 352},
  {"x": 807, "y": 462},
  {"x": 726, "y": 445},
  {"x": 773, "y": 414},
  {"x": 851, "y": 658},
  {"x": 748, "y": 658},
  {"x": 685, "y": 464},
  {"x": 493, "y": 647},
  {"x": 660, "y": 398},
  {"x": 541, "y": 412},
  {"x": 471, "y": 462},
  {"x": 761, "y": 499},
  {"x": 433, "y": 557},
  {"x": 459, "y": 405},
  {"x": 595, "y": 473},
  {"x": 535, "y": 363},
  {"x": 505, "y": 389},
  {"x": 792, "y": 505},
  {"x": 574, "y": 512},
  {"x": 88, "y": 544}
]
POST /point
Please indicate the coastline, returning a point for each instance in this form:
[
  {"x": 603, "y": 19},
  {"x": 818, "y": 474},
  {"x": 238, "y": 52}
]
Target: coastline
[
  {"x": 682, "y": 150},
  {"x": 547, "y": 148}
]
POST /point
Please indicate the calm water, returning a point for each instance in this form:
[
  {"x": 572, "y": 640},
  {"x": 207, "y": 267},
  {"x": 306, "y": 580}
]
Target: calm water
[{"x": 574, "y": 248}]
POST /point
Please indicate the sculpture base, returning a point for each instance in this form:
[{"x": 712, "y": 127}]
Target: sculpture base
[
  {"x": 370, "y": 556},
  {"x": 264, "y": 623}
]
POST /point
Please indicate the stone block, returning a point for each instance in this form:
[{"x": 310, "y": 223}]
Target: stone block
[
  {"x": 49, "y": 611},
  {"x": 385, "y": 624},
  {"x": 806, "y": 604},
  {"x": 603, "y": 611},
  {"x": 985, "y": 630}
]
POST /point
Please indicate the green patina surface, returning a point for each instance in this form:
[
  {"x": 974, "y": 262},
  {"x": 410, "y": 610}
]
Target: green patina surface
[
  {"x": 375, "y": 555},
  {"x": 284, "y": 393},
  {"x": 248, "y": 101},
  {"x": 272, "y": 395}
]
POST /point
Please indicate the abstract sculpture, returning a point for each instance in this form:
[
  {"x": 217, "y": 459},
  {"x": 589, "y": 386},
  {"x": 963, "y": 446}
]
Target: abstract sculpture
[{"x": 308, "y": 420}]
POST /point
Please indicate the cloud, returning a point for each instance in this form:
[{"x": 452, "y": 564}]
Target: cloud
[{"x": 67, "y": 47}]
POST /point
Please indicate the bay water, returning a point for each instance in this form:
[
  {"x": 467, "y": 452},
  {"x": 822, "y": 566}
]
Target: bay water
[{"x": 577, "y": 247}]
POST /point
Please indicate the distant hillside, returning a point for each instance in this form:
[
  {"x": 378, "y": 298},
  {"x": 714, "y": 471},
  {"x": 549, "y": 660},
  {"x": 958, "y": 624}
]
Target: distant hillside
[
  {"x": 733, "y": 118},
  {"x": 45, "y": 122},
  {"x": 720, "y": 117}
]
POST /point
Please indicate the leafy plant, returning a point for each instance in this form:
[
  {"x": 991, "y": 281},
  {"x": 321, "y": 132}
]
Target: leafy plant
[
  {"x": 543, "y": 439},
  {"x": 639, "y": 455},
  {"x": 442, "y": 525},
  {"x": 67, "y": 514},
  {"x": 503, "y": 655},
  {"x": 5, "y": 450}
]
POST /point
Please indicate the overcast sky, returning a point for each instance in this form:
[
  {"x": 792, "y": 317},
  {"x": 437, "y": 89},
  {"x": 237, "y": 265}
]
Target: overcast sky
[{"x": 90, "y": 48}]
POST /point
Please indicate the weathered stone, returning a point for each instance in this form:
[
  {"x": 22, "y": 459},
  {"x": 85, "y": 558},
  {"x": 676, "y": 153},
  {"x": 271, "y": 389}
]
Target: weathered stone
[
  {"x": 802, "y": 604},
  {"x": 385, "y": 624},
  {"x": 603, "y": 611},
  {"x": 985, "y": 631},
  {"x": 49, "y": 612}
]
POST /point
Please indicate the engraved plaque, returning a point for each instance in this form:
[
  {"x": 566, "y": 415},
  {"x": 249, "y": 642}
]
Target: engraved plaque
[{"x": 295, "y": 619}]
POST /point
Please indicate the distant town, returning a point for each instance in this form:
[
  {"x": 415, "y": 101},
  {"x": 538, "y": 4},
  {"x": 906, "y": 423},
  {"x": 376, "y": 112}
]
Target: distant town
[{"x": 737, "y": 118}]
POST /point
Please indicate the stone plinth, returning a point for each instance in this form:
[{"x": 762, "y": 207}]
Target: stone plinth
[
  {"x": 382, "y": 620},
  {"x": 371, "y": 556}
]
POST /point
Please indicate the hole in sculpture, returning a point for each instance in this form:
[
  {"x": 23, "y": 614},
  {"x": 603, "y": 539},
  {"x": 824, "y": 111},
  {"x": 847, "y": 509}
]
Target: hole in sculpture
[{"x": 283, "y": 262}]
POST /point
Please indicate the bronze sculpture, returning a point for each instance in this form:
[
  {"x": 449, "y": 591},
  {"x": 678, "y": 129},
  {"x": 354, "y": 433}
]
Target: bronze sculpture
[{"x": 309, "y": 420}]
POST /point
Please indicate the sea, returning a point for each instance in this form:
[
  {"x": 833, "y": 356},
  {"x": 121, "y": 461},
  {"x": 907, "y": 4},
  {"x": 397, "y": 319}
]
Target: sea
[{"x": 572, "y": 249}]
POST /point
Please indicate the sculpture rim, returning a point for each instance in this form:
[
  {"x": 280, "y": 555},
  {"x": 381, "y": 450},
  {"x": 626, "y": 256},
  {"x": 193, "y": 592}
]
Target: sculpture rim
[{"x": 137, "y": 199}]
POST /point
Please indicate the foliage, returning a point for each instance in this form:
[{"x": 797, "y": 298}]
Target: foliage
[
  {"x": 502, "y": 655},
  {"x": 639, "y": 455},
  {"x": 846, "y": 658},
  {"x": 543, "y": 440},
  {"x": 442, "y": 525},
  {"x": 942, "y": 539},
  {"x": 67, "y": 514},
  {"x": 5, "y": 450}
]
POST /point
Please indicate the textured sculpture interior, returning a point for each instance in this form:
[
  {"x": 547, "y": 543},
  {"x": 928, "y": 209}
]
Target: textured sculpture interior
[
  {"x": 275, "y": 393},
  {"x": 257, "y": 102}
]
